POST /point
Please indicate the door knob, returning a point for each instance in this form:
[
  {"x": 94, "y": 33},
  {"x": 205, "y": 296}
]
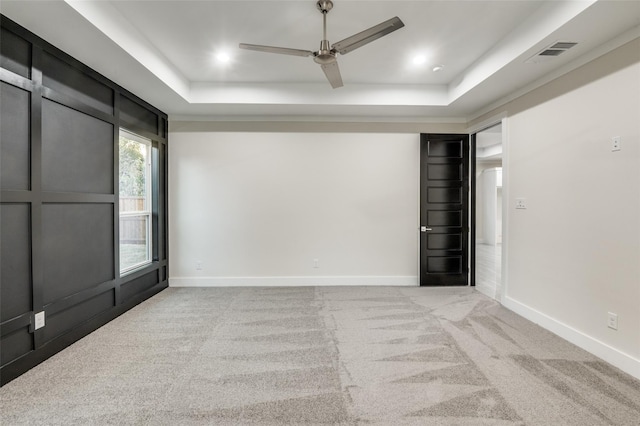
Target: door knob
[{"x": 425, "y": 229}]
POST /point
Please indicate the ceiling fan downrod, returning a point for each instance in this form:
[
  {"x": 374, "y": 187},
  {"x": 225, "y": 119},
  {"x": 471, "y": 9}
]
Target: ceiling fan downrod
[{"x": 324, "y": 55}]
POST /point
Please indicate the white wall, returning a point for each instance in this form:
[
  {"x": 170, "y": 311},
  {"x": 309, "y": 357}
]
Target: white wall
[
  {"x": 258, "y": 208},
  {"x": 574, "y": 254}
]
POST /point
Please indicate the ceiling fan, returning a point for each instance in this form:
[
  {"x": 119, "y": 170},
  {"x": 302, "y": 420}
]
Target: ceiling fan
[{"x": 326, "y": 56}]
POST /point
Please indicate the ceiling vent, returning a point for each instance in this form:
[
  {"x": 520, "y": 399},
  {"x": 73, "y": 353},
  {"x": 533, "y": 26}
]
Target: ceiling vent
[{"x": 552, "y": 51}]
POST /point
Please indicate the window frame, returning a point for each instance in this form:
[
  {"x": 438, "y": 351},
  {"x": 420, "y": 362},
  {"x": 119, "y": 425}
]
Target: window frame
[{"x": 148, "y": 202}]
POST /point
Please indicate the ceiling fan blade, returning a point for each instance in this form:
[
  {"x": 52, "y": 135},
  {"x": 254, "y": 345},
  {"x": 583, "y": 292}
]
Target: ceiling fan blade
[
  {"x": 367, "y": 36},
  {"x": 272, "y": 49},
  {"x": 332, "y": 71}
]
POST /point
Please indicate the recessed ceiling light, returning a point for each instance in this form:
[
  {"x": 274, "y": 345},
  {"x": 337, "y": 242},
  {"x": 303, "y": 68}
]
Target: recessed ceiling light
[
  {"x": 419, "y": 59},
  {"x": 437, "y": 68},
  {"x": 223, "y": 58}
]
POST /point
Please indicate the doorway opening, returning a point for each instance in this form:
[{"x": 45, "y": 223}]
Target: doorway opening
[{"x": 488, "y": 210}]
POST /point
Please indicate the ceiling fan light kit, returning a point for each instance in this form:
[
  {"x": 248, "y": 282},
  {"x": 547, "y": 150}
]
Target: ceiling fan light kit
[{"x": 326, "y": 55}]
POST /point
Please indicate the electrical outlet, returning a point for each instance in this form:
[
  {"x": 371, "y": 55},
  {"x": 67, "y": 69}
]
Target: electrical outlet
[
  {"x": 521, "y": 203},
  {"x": 198, "y": 265},
  {"x": 38, "y": 320},
  {"x": 612, "y": 320},
  {"x": 316, "y": 263},
  {"x": 616, "y": 143}
]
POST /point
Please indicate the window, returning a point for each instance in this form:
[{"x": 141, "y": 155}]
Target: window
[{"x": 135, "y": 201}]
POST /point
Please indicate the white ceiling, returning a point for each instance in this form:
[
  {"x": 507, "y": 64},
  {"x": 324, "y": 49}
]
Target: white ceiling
[{"x": 164, "y": 51}]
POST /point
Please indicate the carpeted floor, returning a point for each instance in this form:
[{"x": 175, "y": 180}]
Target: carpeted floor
[{"x": 325, "y": 355}]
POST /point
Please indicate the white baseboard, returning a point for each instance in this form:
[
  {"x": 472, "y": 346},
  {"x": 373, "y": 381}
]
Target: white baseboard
[
  {"x": 486, "y": 290},
  {"x": 305, "y": 281},
  {"x": 613, "y": 356}
]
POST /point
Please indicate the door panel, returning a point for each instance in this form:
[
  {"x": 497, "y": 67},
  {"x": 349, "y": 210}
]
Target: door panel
[
  {"x": 444, "y": 172},
  {"x": 445, "y": 264},
  {"x": 444, "y": 209},
  {"x": 446, "y": 218},
  {"x": 444, "y": 195},
  {"x": 444, "y": 242}
]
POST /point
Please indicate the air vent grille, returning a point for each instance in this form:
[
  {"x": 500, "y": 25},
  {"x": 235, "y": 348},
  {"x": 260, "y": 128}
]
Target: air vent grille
[
  {"x": 565, "y": 45},
  {"x": 552, "y": 51}
]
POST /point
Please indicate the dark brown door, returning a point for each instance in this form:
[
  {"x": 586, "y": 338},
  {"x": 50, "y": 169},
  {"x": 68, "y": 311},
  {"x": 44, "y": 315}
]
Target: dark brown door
[{"x": 444, "y": 209}]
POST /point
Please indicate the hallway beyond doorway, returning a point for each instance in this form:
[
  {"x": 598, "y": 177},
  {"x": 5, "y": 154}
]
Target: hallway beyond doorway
[{"x": 488, "y": 268}]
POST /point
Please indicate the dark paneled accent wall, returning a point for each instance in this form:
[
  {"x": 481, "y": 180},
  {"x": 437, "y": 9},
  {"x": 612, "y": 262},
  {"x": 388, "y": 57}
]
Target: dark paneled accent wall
[{"x": 59, "y": 208}]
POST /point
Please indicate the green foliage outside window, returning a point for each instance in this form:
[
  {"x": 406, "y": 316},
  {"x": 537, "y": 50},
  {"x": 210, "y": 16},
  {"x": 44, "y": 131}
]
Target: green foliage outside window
[{"x": 132, "y": 169}]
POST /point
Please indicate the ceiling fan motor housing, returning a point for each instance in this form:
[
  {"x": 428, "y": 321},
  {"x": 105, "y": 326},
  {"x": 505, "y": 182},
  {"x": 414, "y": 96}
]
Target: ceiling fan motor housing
[{"x": 325, "y": 55}]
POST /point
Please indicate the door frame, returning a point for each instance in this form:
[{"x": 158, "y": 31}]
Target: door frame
[
  {"x": 472, "y": 209},
  {"x": 501, "y": 118}
]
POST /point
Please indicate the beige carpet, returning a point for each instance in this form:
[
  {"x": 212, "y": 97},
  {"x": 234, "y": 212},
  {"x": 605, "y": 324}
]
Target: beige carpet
[{"x": 325, "y": 355}]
